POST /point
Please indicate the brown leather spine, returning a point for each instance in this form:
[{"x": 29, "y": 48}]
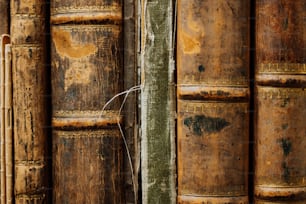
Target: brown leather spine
[
  {"x": 213, "y": 101},
  {"x": 86, "y": 54},
  {"x": 28, "y": 41},
  {"x": 130, "y": 109},
  {"x": 280, "y": 102},
  {"x": 4, "y": 16}
]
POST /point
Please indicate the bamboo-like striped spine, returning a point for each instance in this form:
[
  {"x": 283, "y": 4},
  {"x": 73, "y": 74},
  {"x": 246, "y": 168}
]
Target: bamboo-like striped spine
[{"x": 5, "y": 39}]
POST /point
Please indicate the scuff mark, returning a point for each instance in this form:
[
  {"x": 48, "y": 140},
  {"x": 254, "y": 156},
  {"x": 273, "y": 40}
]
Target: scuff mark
[
  {"x": 201, "y": 68},
  {"x": 285, "y": 102},
  {"x": 286, "y": 145},
  {"x": 285, "y": 126},
  {"x": 285, "y": 23},
  {"x": 65, "y": 47},
  {"x": 201, "y": 123},
  {"x": 286, "y": 172},
  {"x": 231, "y": 7}
]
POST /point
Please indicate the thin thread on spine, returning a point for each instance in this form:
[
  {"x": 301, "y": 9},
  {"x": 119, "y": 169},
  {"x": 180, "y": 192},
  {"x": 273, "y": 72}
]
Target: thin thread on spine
[{"x": 126, "y": 93}]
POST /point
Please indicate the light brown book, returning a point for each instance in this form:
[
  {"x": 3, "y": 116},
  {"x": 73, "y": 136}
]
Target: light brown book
[
  {"x": 280, "y": 102},
  {"x": 86, "y": 73},
  {"x": 213, "y": 101},
  {"x": 28, "y": 29}
]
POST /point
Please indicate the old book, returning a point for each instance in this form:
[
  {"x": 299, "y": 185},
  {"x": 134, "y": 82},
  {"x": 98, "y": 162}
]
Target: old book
[
  {"x": 280, "y": 145},
  {"x": 132, "y": 159},
  {"x": 213, "y": 101},
  {"x": 4, "y": 29},
  {"x": 28, "y": 41},
  {"x": 8, "y": 126},
  {"x": 4, "y": 16},
  {"x": 5, "y": 70},
  {"x": 157, "y": 103},
  {"x": 87, "y": 72}
]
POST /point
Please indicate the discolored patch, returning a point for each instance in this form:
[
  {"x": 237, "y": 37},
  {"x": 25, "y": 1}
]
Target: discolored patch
[
  {"x": 201, "y": 68},
  {"x": 200, "y": 124},
  {"x": 285, "y": 102},
  {"x": 286, "y": 145},
  {"x": 190, "y": 45},
  {"x": 284, "y": 126},
  {"x": 286, "y": 172},
  {"x": 66, "y": 47},
  {"x": 78, "y": 73}
]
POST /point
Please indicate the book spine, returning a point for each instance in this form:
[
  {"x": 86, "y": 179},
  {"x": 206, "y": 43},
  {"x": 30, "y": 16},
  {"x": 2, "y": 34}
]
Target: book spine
[
  {"x": 4, "y": 16},
  {"x": 157, "y": 103},
  {"x": 213, "y": 101},
  {"x": 131, "y": 160},
  {"x": 280, "y": 102},
  {"x": 5, "y": 39},
  {"x": 87, "y": 71},
  {"x": 29, "y": 67},
  {"x": 8, "y": 126},
  {"x": 4, "y": 29}
]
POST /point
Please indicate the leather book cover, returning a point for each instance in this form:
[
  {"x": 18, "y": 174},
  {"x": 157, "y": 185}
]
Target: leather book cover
[
  {"x": 86, "y": 72},
  {"x": 213, "y": 101},
  {"x": 280, "y": 102}
]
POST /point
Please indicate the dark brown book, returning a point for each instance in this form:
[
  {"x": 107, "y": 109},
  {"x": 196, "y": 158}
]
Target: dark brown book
[
  {"x": 87, "y": 71},
  {"x": 28, "y": 29},
  {"x": 213, "y": 101},
  {"x": 131, "y": 128},
  {"x": 280, "y": 102},
  {"x": 4, "y": 16}
]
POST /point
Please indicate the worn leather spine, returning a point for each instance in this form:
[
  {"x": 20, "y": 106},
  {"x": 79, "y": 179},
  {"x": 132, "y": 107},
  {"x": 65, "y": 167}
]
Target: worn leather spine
[
  {"x": 28, "y": 41},
  {"x": 4, "y": 16},
  {"x": 130, "y": 108},
  {"x": 213, "y": 101},
  {"x": 87, "y": 71},
  {"x": 280, "y": 102}
]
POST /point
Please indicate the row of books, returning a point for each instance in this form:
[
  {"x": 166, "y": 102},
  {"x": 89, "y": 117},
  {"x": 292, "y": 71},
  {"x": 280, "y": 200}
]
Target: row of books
[{"x": 137, "y": 101}]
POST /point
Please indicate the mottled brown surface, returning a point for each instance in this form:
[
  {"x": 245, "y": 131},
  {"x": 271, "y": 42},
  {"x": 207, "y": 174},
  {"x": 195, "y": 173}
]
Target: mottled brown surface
[
  {"x": 213, "y": 42},
  {"x": 4, "y": 16},
  {"x": 86, "y": 66},
  {"x": 213, "y": 101},
  {"x": 130, "y": 109},
  {"x": 212, "y": 148},
  {"x": 29, "y": 91},
  {"x": 280, "y": 146},
  {"x": 86, "y": 166},
  {"x": 86, "y": 73},
  {"x": 280, "y": 31}
]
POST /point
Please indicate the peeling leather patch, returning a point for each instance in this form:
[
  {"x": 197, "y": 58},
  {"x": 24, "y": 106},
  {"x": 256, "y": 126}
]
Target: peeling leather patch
[{"x": 66, "y": 47}]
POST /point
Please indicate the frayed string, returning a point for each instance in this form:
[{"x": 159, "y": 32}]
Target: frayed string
[{"x": 126, "y": 93}]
